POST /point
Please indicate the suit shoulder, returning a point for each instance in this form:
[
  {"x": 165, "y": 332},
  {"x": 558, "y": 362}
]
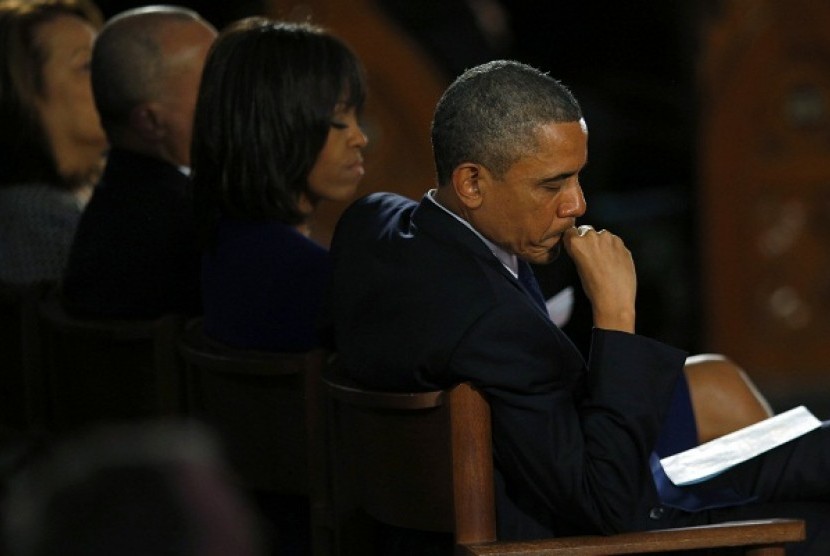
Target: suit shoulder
[
  {"x": 380, "y": 202},
  {"x": 373, "y": 210}
]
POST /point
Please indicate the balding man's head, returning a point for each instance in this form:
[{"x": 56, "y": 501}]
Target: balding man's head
[{"x": 146, "y": 66}]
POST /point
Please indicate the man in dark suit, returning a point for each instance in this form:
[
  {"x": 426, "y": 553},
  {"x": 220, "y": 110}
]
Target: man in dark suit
[
  {"x": 135, "y": 252},
  {"x": 429, "y": 294}
]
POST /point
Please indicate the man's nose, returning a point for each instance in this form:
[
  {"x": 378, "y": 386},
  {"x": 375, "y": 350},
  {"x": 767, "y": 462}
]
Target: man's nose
[{"x": 572, "y": 206}]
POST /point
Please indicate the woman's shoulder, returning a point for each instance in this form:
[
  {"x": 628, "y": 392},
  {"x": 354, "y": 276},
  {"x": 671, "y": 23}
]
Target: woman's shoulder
[
  {"x": 37, "y": 223},
  {"x": 39, "y": 198},
  {"x": 266, "y": 237}
]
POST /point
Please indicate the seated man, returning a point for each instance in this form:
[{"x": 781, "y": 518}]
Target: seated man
[
  {"x": 426, "y": 295},
  {"x": 135, "y": 252}
]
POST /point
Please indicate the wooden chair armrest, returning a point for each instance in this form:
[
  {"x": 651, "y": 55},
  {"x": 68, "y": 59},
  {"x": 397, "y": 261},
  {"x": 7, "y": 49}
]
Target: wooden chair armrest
[{"x": 761, "y": 533}]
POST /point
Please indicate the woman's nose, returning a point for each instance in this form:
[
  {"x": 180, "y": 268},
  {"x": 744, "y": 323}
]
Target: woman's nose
[{"x": 359, "y": 138}]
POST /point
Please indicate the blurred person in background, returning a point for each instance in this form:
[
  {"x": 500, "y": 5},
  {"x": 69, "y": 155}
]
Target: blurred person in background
[
  {"x": 51, "y": 142},
  {"x": 135, "y": 253}
]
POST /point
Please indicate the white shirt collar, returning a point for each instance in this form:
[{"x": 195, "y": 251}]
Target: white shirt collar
[{"x": 507, "y": 259}]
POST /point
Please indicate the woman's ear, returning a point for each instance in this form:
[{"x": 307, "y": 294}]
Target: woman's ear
[{"x": 466, "y": 182}]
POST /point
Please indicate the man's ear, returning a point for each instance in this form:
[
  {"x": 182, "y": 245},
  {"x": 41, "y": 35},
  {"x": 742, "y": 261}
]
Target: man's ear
[
  {"x": 146, "y": 120},
  {"x": 466, "y": 182}
]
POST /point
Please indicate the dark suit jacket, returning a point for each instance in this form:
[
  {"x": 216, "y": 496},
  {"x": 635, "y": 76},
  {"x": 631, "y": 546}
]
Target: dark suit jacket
[
  {"x": 418, "y": 302},
  {"x": 135, "y": 252},
  {"x": 263, "y": 285}
]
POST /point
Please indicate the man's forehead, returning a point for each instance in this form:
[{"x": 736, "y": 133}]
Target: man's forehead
[
  {"x": 553, "y": 125},
  {"x": 562, "y": 143}
]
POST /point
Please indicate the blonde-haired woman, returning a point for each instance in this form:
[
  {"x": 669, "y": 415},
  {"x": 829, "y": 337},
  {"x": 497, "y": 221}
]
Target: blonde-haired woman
[{"x": 51, "y": 141}]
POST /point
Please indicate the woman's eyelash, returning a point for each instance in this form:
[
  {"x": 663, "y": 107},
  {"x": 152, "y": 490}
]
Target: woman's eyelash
[{"x": 338, "y": 125}]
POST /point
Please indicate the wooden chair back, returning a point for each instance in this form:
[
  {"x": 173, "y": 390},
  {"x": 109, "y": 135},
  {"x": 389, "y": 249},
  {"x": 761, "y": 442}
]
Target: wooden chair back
[
  {"x": 99, "y": 370},
  {"x": 263, "y": 406},
  {"x": 21, "y": 386},
  {"x": 418, "y": 436},
  {"x": 424, "y": 461}
]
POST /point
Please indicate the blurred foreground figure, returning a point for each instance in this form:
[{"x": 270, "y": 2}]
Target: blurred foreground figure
[{"x": 137, "y": 490}]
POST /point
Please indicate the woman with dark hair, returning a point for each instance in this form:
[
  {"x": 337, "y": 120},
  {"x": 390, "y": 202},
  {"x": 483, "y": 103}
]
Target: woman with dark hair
[
  {"x": 51, "y": 141},
  {"x": 276, "y": 131}
]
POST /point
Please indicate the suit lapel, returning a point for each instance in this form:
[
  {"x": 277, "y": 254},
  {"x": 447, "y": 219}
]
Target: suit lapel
[{"x": 443, "y": 228}]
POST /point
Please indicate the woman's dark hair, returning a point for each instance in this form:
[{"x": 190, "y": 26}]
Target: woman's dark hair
[
  {"x": 267, "y": 96},
  {"x": 25, "y": 152}
]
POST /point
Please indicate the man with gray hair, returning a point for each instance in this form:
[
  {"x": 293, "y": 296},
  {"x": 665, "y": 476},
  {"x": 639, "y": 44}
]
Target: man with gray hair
[
  {"x": 427, "y": 295},
  {"x": 135, "y": 253}
]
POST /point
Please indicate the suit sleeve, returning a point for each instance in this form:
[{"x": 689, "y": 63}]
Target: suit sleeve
[{"x": 577, "y": 439}]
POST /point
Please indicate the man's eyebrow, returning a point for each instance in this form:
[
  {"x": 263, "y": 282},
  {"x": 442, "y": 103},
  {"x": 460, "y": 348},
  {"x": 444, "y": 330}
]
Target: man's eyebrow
[
  {"x": 562, "y": 175},
  {"x": 555, "y": 178}
]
